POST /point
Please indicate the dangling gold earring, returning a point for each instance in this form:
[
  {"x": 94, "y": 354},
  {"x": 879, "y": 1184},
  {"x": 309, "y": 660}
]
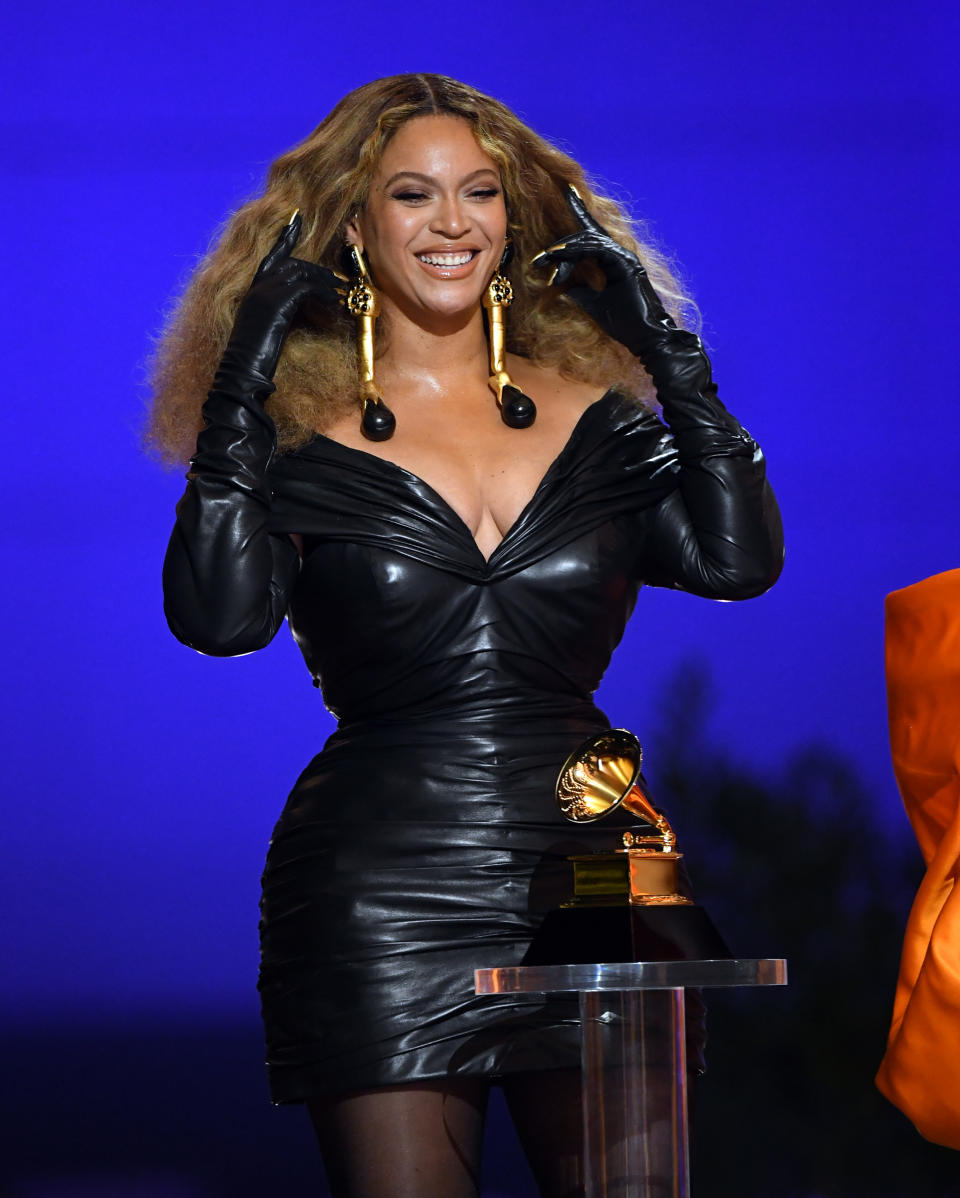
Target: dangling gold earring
[
  {"x": 516, "y": 409},
  {"x": 377, "y": 422}
]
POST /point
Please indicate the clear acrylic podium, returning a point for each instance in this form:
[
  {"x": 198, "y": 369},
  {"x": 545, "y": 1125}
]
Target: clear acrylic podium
[{"x": 635, "y": 1134}]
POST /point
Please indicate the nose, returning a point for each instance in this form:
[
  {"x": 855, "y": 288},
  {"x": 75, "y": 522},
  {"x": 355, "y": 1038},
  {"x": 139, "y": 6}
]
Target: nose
[{"x": 451, "y": 218}]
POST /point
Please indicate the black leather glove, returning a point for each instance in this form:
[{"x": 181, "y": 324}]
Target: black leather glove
[
  {"x": 628, "y": 308},
  {"x": 266, "y": 312},
  {"x": 226, "y": 580}
]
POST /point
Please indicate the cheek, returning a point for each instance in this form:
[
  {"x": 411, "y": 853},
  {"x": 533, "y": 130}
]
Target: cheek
[{"x": 387, "y": 241}]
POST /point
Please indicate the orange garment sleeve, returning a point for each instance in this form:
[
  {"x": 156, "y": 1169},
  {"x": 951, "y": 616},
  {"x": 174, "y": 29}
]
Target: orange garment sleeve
[{"x": 920, "y": 1071}]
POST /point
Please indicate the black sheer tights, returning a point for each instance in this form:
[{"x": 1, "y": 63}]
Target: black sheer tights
[{"x": 424, "y": 1140}]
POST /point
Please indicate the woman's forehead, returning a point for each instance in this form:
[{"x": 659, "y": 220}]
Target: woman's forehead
[{"x": 432, "y": 144}]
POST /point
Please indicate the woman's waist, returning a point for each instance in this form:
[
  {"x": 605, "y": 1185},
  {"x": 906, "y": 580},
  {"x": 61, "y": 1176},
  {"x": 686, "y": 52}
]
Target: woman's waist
[
  {"x": 505, "y": 718},
  {"x": 487, "y": 685}
]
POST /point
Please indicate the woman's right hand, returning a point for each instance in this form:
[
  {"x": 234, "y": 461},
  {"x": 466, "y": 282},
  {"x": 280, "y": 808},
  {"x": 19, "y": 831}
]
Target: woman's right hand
[
  {"x": 266, "y": 312},
  {"x": 226, "y": 579}
]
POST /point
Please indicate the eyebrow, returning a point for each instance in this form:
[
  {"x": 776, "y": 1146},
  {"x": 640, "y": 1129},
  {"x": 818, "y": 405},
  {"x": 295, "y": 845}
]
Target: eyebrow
[{"x": 484, "y": 170}]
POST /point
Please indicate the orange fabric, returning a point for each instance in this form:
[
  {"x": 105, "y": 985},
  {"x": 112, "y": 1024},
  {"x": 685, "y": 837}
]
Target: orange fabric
[{"x": 920, "y": 1072}]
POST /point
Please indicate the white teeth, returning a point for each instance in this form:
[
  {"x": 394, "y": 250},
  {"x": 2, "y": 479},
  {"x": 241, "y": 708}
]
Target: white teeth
[{"x": 446, "y": 259}]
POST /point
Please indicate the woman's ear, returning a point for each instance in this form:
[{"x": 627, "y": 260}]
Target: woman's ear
[{"x": 352, "y": 232}]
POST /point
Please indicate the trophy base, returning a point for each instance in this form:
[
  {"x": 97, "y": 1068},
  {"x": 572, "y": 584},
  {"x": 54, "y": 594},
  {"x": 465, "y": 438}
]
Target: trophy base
[
  {"x": 586, "y": 935},
  {"x": 645, "y": 876}
]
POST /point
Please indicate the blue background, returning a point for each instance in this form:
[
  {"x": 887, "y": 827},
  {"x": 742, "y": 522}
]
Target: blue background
[{"x": 802, "y": 166}]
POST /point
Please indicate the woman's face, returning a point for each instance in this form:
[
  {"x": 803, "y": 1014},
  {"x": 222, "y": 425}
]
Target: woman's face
[{"x": 435, "y": 222}]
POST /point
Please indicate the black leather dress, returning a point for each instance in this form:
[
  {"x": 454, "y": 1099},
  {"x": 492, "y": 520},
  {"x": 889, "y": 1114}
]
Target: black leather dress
[{"x": 423, "y": 842}]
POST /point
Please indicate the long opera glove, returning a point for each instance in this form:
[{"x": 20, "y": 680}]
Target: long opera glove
[{"x": 226, "y": 580}]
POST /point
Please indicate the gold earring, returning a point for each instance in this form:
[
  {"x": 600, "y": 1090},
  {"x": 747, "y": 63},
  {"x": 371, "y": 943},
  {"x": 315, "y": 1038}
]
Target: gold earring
[
  {"x": 377, "y": 422},
  {"x": 516, "y": 409}
]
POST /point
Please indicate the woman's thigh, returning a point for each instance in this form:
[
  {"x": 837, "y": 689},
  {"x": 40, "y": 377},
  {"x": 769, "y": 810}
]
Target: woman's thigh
[
  {"x": 546, "y": 1112},
  {"x": 420, "y": 1140}
]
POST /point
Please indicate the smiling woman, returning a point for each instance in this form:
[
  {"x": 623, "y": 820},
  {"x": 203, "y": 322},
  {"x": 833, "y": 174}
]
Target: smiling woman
[
  {"x": 328, "y": 177},
  {"x": 456, "y": 586}
]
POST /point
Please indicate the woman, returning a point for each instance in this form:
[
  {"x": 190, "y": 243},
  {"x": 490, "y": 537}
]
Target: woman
[{"x": 456, "y": 579}]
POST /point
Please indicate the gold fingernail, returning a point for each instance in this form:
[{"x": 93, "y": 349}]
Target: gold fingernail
[
  {"x": 553, "y": 275},
  {"x": 293, "y": 216}
]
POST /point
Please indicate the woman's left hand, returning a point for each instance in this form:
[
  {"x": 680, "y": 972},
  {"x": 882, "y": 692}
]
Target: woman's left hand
[{"x": 628, "y": 308}]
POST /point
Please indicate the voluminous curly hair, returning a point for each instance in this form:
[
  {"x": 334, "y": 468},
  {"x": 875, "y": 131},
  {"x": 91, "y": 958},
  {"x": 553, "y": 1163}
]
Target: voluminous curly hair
[{"x": 327, "y": 176}]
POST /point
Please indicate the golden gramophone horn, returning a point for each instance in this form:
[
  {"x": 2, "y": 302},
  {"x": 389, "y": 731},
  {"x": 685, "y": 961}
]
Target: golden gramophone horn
[
  {"x": 601, "y": 775},
  {"x": 597, "y": 778}
]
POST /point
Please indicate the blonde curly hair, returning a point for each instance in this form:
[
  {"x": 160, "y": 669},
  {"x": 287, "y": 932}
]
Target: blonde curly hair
[{"x": 327, "y": 176}]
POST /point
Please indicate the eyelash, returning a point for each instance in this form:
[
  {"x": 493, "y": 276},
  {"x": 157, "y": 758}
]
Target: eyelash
[{"x": 417, "y": 197}]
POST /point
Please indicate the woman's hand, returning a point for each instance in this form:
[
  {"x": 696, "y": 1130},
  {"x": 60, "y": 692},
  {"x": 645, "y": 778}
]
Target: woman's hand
[
  {"x": 627, "y": 308},
  {"x": 266, "y": 312}
]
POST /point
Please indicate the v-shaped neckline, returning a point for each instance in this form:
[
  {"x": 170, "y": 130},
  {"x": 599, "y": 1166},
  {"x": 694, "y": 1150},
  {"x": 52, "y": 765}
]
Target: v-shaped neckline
[{"x": 488, "y": 562}]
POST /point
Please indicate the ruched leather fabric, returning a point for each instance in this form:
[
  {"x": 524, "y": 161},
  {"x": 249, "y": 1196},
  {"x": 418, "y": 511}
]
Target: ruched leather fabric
[{"x": 423, "y": 842}]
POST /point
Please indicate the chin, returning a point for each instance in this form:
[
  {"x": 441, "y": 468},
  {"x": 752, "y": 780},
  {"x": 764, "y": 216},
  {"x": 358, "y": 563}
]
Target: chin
[
  {"x": 453, "y": 299},
  {"x": 454, "y": 309}
]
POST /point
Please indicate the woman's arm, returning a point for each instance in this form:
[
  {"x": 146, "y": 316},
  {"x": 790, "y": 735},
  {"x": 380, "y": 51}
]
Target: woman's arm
[
  {"x": 226, "y": 580},
  {"x": 719, "y": 533}
]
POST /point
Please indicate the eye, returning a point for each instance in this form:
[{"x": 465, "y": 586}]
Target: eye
[
  {"x": 410, "y": 196},
  {"x": 485, "y": 193}
]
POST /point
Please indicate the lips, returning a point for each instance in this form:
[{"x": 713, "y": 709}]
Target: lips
[{"x": 448, "y": 260}]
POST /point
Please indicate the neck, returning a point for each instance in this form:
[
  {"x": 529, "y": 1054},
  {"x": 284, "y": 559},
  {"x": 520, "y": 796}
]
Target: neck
[{"x": 438, "y": 353}]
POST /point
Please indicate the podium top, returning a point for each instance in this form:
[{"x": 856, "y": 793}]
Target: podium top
[{"x": 631, "y": 975}]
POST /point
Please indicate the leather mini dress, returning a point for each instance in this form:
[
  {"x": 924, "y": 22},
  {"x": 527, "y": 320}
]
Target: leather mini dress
[{"x": 423, "y": 841}]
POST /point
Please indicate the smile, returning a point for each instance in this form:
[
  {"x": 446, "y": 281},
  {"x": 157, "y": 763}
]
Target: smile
[{"x": 459, "y": 259}]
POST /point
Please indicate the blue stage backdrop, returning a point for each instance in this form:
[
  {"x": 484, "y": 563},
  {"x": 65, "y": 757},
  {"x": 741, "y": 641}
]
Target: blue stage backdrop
[{"x": 800, "y": 162}]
